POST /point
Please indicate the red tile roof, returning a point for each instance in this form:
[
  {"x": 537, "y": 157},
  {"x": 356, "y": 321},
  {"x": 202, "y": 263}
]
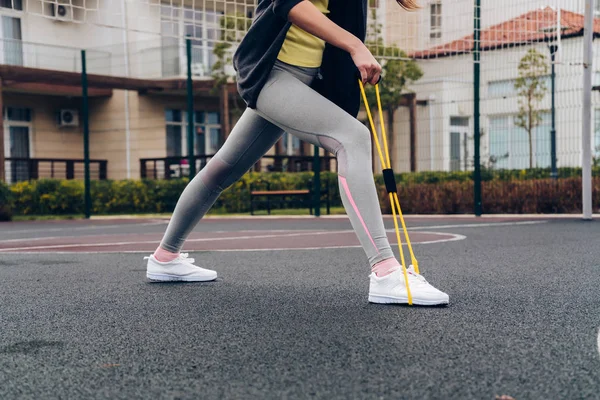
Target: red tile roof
[{"x": 535, "y": 26}]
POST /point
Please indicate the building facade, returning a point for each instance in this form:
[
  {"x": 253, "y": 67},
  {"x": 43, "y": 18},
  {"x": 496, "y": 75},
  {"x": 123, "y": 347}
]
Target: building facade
[
  {"x": 136, "y": 53},
  {"x": 446, "y": 123},
  {"x": 137, "y": 63}
]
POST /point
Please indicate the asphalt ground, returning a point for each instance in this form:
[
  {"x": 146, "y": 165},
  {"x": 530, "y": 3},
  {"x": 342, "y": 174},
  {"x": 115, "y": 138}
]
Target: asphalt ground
[{"x": 82, "y": 322}]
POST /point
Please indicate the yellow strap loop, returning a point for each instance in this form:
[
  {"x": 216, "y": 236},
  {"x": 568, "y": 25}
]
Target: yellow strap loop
[
  {"x": 383, "y": 133},
  {"x": 394, "y": 201},
  {"x": 409, "y": 295},
  {"x": 364, "y": 95},
  {"x": 414, "y": 261}
]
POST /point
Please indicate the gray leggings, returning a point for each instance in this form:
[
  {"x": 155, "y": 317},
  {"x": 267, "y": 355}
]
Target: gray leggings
[{"x": 288, "y": 103}]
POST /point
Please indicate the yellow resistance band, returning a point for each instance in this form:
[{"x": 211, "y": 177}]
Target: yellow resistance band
[{"x": 390, "y": 184}]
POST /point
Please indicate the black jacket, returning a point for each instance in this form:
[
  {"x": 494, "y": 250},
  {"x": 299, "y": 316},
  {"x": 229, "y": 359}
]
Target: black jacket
[{"x": 258, "y": 51}]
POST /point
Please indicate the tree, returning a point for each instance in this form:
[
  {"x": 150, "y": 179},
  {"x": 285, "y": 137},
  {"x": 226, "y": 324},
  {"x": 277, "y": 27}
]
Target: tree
[
  {"x": 532, "y": 89},
  {"x": 398, "y": 71}
]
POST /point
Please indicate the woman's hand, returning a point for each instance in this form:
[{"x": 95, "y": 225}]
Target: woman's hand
[
  {"x": 308, "y": 17},
  {"x": 370, "y": 69}
]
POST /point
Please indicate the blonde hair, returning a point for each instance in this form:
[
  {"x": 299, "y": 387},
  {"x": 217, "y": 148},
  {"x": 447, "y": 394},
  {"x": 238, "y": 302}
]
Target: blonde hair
[{"x": 408, "y": 5}]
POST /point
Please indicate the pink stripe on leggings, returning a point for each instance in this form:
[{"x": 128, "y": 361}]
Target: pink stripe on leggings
[{"x": 347, "y": 190}]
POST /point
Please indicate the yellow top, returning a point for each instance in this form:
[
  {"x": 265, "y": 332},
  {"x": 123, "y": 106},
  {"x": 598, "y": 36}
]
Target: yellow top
[{"x": 300, "y": 47}]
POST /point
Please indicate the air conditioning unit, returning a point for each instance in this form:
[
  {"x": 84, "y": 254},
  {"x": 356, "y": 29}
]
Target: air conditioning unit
[
  {"x": 68, "y": 118},
  {"x": 62, "y": 12},
  {"x": 198, "y": 69}
]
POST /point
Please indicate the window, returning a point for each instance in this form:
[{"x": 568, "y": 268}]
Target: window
[
  {"x": 174, "y": 132},
  {"x": 11, "y": 45},
  {"x": 459, "y": 121},
  {"x": 506, "y": 88},
  {"x": 459, "y": 143},
  {"x": 293, "y": 147},
  {"x": 499, "y": 140},
  {"x": 17, "y": 114},
  {"x": 12, "y": 4},
  {"x": 435, "y": 20},
  {"x": 179, "y": 23},
  {"x": 207, "y": 128},
  {"x": 454, "y": 151},
  {"x": 17, "y": 122},
  {"x": 509, "y": 144}
]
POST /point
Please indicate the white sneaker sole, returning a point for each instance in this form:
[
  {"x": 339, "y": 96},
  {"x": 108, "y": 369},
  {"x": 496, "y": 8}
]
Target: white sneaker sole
[
  {"x": 404, "y": 300},
  {"x": 175, "y": 278}
]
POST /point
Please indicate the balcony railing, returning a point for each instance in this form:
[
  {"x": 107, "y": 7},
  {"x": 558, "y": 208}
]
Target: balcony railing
[
  {"x": 57, "y": 58},
  {"x": 156, "y": 61},
  {"x": 177, "y": 167},
  {"x": 151, "y": 59},
  {"x": 24, "y": 169}
]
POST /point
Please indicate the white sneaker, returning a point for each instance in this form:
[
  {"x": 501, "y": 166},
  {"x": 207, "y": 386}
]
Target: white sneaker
[
  {"x": 391, "y": 289},
  {"x": 180, "y": 269}
]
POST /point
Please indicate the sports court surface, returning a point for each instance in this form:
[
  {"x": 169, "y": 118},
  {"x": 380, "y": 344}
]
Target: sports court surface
[{"x": 288, "y": 316}]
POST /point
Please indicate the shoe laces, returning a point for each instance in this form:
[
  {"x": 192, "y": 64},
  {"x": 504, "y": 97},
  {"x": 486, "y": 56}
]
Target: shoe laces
[
  {"x": 183, "y": 257},
  {"x": 411, "y": 272}
]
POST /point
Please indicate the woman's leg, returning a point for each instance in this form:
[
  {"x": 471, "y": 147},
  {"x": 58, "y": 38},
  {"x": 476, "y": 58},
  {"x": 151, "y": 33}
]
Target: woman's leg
[
  {"x": 288, "y": 103},
  {"x": 249, "y": 140},
  {"x": 293, "y": 106}
]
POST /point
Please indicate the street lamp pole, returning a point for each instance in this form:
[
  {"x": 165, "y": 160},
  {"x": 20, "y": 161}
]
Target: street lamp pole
[{"x": 554, "y": 174}]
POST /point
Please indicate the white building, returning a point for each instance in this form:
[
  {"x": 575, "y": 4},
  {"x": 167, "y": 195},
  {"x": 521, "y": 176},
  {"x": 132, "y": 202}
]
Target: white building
[
  {"x": 136, "y": 52},
  {"x": 446, "y": 123}
]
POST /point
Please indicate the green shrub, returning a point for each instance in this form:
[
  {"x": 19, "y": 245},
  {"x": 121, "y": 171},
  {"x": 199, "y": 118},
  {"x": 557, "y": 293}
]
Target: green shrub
[
  {"x": 102, "y": 194},
  {"x": 164, "y": 194},
  {"x": 236, "y": 199},
  {"x": 424, "y": 198},
  {"x": 25, "y": 199},
  {"x": 53, "y": 197},
  {"x": 419, "y": 193},
  {"x": 486, "y": 175},
  {"x": 537, "y": 196},
  {"x": 6, "y": 202},
  {"x": 47, "y": 197}
]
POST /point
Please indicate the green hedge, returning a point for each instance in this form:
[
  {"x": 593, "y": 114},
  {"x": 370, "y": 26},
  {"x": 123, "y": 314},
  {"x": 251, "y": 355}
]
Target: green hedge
[
  {"x": 6, "y": 202},
  {"x": 537, "y": 196},
  {"x": 486, "y": 175},
  {"x": 236, "y": 199},
  {"x": 526, "y": 191},
  {"x": 60, "y": 197}
]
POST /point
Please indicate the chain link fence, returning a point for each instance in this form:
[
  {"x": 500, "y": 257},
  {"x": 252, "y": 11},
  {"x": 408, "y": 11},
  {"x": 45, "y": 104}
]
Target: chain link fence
[{"x": 530, "y": 80}]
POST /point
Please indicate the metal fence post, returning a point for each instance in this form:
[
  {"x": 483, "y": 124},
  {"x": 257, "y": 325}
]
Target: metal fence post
[
  {"x": 476, "y": 110},
  {"x": 554, "y": 173},
  {"x": 86, "y": 139},
  {"x": 3, "y": 175},
  {"x": 317, "y": 182},
  {"x": 190, "y": 110},
  {"x": 586, "y": 137}
]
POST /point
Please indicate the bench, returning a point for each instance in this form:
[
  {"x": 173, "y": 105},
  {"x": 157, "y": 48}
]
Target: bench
[{"x": 284, "y": 196}]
